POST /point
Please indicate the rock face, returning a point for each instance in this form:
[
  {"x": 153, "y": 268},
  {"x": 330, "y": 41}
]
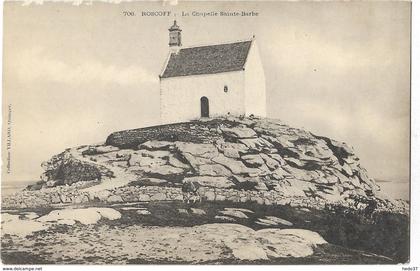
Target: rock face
[{"x": 235, "y": 154}]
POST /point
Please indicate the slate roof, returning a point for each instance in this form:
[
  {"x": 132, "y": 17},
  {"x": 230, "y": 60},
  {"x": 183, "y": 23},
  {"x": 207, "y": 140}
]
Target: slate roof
[{"x": 208, "y": 59}]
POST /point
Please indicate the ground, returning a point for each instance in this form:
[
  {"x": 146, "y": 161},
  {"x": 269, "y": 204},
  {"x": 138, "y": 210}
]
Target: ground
[{"x": 202, "y": 233}]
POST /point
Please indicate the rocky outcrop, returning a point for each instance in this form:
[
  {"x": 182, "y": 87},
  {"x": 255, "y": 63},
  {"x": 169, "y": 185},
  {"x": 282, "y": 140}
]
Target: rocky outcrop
[
  {"x": 238, "y": 155},
  {"x": 67, "y": 168}
]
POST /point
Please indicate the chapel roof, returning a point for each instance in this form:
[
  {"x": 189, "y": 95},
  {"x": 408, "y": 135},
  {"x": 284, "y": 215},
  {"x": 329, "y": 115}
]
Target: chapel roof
[{"x": 208, "y": 59}]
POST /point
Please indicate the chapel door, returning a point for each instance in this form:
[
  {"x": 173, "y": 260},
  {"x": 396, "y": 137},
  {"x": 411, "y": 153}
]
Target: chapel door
[{"x": 204, "y": 107}]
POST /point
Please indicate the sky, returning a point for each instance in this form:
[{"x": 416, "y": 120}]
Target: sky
[{"x": 72, "y": 74}]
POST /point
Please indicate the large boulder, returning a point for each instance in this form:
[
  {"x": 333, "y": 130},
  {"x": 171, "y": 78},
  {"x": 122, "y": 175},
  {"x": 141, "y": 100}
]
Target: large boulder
[
  {"x": 200, "y": 150},
  {"x": 138, "y": 159},
  {"x": 238, "y": 132},
  {"x": 235, "y": 166},
  {"x": 209, "y": 181},
  {"x": 213, "y": 170},
  {"x": 253, "y": 160},
  {"x": 257, "y": 145},
  {"x": 289, "y": 242},
  {"x": 230, "y": 149}
]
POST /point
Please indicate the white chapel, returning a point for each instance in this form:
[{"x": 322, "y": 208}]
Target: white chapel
[{"x": 211, "y": 80}]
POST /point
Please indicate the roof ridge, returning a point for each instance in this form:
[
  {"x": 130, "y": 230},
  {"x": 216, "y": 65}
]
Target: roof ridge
[{"x": 214, "y": 44}]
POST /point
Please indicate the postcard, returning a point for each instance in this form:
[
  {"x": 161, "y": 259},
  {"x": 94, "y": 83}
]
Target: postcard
[{"x": 206, "y": 132}]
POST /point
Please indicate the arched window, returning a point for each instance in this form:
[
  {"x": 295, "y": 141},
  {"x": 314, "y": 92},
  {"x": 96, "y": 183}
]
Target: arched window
[
  {"x": 225, "y": 89},
  {"x": 204, "y": 103}
]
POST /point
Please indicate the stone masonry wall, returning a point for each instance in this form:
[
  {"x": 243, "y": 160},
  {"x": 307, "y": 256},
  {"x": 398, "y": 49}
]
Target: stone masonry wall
[
  {"x": 194, "y": 132},
  {"x": 68, "y": 195}
]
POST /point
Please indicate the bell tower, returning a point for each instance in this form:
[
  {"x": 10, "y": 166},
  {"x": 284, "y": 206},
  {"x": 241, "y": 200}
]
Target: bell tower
[{"x": 175, "y": 36}]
